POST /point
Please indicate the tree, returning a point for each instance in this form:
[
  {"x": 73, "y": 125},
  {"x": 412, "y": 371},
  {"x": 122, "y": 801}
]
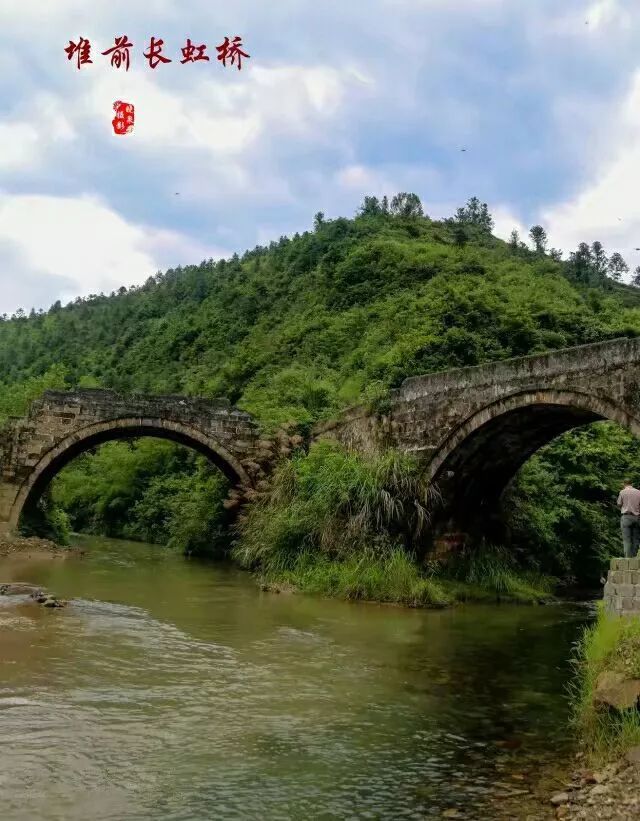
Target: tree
[
  {"x": 460, "y": 237},
  {"x": 539, "y": 238},
  {"x": 370, "y": 207},
  {"x": 582, "y": 263},
  {"x": 599, "y": 259},
  {"x": 555, "y": 254},
  {"x": 635, "y": 279},
  {"x": 318, "y": 221},
  {"x": 406, "y": 205},
  {"x": 514, "y": 240},
  {"x": 475, "y": 213},
  {"x": 617, "y": 267}
]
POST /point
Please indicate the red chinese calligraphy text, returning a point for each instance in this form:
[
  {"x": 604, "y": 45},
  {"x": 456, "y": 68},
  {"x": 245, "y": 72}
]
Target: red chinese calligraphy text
[
  {"x": 120, "y": 52},
  {"x": 82, "y": 51},
  {"x": 231, "y": 50},
  {"x": 154, "y": 54},
  {"x": 191, "y": 53}
]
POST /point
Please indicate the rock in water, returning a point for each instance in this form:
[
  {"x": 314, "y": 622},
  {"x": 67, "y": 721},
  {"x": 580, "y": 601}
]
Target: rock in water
[
  {"x": 50, "y": 601},
  {"x": 47, "y": 600}
]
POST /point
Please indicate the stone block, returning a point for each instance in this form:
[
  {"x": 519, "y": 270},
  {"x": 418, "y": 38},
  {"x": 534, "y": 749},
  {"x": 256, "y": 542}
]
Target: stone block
[
  {"x": 627, "y": 591},
  {"x": 633, "y": 564},
  {"x": 627, "y": 604},
  {"x": 635, "y": 576},
  {"x": 610, "y": 589},
  {"x": 616, "y": 577}
]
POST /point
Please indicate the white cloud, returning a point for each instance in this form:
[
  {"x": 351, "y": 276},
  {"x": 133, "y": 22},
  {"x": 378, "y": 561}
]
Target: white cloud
[
  {"x": 364, "y": 180},
  {"x": 19, "y": 143},
  {"x": 226, "y": 118},
  {"x": 607, "y": 207},
  {"x": 27, "y": 135},
  {"x": 84, "y": 241},
  {"x": 505, "y": 221},
  {"x": 603, "y": 12},
  {"x": 594, "y": 20}
]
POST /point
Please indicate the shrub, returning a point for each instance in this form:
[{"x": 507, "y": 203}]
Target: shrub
[{"x": 337, "y": 504}]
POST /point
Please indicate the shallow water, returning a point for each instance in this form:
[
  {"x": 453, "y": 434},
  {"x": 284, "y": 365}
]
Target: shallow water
[{"x": 177, "y": 690}]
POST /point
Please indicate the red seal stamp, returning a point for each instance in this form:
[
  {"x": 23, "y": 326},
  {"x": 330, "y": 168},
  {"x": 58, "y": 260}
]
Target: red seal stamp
[{"x": 124, "y": 118}]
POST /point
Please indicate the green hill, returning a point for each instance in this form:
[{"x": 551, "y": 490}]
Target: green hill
[{"x": 298, "y": 330}]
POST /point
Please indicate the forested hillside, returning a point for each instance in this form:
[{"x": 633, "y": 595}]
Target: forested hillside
[{"x": 298, "y": 330}]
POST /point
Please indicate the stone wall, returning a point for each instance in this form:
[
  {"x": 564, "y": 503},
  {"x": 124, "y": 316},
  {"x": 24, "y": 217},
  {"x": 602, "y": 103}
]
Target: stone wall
[{"x": 622, "y": 589}]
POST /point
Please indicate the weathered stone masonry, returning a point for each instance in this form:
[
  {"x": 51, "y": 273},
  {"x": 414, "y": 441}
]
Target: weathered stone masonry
[
  {"x": 622, "y": 590},
  {"x": 62, "y": 424}
]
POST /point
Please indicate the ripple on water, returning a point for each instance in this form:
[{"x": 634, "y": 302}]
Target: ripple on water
[{"x": 219, "y": 702}]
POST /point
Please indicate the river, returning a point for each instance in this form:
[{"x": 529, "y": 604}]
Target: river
[{"x": 173, "y": 689}]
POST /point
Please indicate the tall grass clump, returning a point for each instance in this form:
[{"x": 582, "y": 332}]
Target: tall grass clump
[
  {"x": 394, "y": 577},
  {"x": 492, "y": 572},
  {"x": 610, "y": 644},
  {"x": 343, "y": 524}
]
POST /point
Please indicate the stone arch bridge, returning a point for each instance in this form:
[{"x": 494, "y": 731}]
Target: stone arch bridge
[
  {"x": 473, "y": 428},
  {"x": 63, "y": 424}
]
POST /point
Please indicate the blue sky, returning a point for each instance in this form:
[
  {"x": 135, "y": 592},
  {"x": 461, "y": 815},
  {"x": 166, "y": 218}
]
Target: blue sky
[{"x": 339, "y": 100}]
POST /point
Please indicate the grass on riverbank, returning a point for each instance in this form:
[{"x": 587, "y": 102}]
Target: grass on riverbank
[
  {"x": 489, "y": 573},
  {"x": 345, "y": 525},
  {"x": 611, "y": 644},
  {"x": 393, "y": 578},
  {"x": 398, "y": 579}
]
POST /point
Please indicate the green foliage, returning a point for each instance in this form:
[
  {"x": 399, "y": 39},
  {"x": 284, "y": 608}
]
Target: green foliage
[
  {"x": 475, "y": 214},
  {"x": 46, "y": 519},
  {"x": 489, "y": 571},
  {"x": 611, "y": 644},
  {"x": 338, "y": 504},
  {"x": 150, "y": 490},
  {"x": 393, "y": 577},
  {"x": 561, "y": 507},
  {"x": 15, "y": 398},
  {"x": 539, "y": 238}
]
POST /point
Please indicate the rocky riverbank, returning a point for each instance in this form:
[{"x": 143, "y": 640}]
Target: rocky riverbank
[
  {"x": 612, "y": 792},
  {"x": 32, "y": 546}
]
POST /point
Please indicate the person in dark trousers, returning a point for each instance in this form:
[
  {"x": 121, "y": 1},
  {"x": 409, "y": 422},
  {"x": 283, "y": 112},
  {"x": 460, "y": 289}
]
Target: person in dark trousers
[{"x": 629, "y": 504}]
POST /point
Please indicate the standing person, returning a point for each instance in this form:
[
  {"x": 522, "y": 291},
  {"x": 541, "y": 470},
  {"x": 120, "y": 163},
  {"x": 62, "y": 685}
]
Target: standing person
[{"x": 629, "y": 504}]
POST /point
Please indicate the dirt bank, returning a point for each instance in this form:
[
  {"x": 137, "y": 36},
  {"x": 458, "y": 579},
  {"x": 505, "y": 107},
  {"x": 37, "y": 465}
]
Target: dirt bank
[{"x": 32, "y": 547}]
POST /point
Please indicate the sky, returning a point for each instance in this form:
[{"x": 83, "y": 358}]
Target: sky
[{"x": 338, "y": 100}]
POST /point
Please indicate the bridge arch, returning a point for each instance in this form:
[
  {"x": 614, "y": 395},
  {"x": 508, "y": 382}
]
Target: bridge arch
[
  {"x": 53, "y": 460},
  {"x": 477, "y": 460}
]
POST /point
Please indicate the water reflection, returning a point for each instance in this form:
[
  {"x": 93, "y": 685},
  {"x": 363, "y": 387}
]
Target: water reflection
[{"x": 178, "y": 690}]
